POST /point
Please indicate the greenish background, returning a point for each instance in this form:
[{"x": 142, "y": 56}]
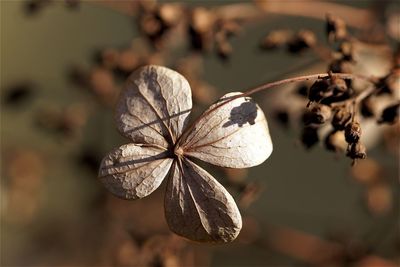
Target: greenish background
[{"x": 309, "y": 191}]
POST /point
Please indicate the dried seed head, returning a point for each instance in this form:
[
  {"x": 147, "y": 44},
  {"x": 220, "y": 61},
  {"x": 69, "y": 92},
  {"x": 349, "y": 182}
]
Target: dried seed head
[
  {"x": 320, "y": 114},
  {"x": 276, "y": 39},
  {"x": 341, "y": 118},
  {"x": 309, "y": 136},
  {"x": 352, "y": 132},
  {"x": 356, "y": 151},
  {"x": 390, "y": 114},
  {"x": 318, "y": 90},
  {"x": 338, "y": 86},
  {"x": 301, "y": 41},
  {"x": 335, "y": 28}
]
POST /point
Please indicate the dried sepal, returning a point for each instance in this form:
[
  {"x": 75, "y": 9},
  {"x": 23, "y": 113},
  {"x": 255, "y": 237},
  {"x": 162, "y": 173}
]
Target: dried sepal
[
  {"x": 341, "y": 118},
  {"x": 319, "y": 90},
  {"x": 134, "y": 171},
  {"x": 356, "y": 151},
  {"x": 234, "y": 135},
  {"x": 198, "y": 207},
  {"x": 352, "y": 132},
  {"x": 153, "y": 106}
]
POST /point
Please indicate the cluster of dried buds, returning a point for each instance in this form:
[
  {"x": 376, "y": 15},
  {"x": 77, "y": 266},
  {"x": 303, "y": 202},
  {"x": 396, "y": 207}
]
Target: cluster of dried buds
[
  {"x": 324, "y": 96},
  {"x": 336, "y": 100},
  {"x": 203, "y": 28}
]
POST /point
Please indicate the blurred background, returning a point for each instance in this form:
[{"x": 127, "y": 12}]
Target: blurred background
[{"x": 64, "y": 62}]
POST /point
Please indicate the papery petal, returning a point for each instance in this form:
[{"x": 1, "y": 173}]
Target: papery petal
[
  {"x": 198, "y": 207},
  {"x": 153, "y": 106},
  {"x": 234, "y": 135},
  {"x": 134, "y": 171}
]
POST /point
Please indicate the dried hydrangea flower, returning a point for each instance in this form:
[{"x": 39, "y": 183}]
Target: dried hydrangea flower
[{"x": 153, "y": 111}]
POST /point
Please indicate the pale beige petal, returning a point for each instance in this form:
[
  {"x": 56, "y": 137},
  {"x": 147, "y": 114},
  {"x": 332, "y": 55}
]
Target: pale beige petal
[
  {"x": 198, "y": 207},
  {"x": 134, "y": 171},
  {"x": 234, "y": 135},
  {"x": 153, "y": 106}
]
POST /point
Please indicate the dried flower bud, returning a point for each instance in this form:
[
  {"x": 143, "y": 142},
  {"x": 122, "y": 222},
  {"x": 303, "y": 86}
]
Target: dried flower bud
[
  {"x": 309, "y": 136},
  {"x": 335, "y": 141},
  {"x": 303, "y": 40},
  {"x": 356, "y": 151},
  {"x": 390, "y": 114},
  {"x": 318, "y": 90},
  {"x": 276, "y": 39},
  {"x": 338, "y": 86},
  {"x": 319, "y": 114},
  {"x": 352, "y": 132},
  {"x": 335, "y": 28},
  {"x": 341, "y": 118}
]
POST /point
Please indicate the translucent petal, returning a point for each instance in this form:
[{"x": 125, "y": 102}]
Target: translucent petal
[
  {"x": 198, "y": 207},
  {"x": 234, "y": 135},
  {"x": 134, "y": 171},
  {"x": 153, "y": 106}
]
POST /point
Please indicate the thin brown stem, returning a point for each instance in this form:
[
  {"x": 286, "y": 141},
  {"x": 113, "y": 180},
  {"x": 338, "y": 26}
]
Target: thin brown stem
[{"x": 277, "y": 83}]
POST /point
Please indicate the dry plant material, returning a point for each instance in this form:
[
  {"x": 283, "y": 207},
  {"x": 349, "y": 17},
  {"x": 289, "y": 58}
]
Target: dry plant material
[{"x": 153, "y": 111}]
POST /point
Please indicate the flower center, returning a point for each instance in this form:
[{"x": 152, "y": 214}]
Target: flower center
[{"x": 178, "y": 151}]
